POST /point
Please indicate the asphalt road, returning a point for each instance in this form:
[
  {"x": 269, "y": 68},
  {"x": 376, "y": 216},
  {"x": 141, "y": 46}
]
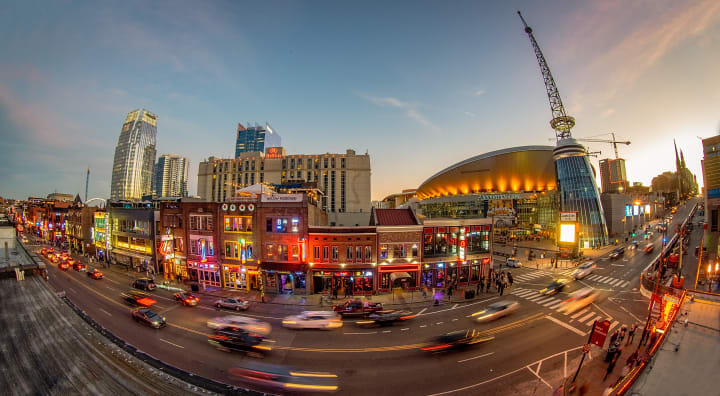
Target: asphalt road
[{"x": 532, "y": 350}]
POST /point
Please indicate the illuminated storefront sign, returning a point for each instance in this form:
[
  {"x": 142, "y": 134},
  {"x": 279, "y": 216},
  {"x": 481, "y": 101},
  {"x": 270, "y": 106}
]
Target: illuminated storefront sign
[
  {"x": 567, "y": 232},
  {"x": 628, "y": 210}
]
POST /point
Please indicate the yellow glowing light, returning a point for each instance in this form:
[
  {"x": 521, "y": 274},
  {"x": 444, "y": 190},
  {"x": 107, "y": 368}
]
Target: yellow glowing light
[{"x": 567, "y": 232}]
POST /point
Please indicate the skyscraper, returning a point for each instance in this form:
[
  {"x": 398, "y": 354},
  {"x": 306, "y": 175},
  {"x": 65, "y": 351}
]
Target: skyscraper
[
  {"x": 134, "y": 157},
  {"x": 255, "y": 138},
  {"x": 171, "y": 176},
  {"x": 612, "y": 175}
]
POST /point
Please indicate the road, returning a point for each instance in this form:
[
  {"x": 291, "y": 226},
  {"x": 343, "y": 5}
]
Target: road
[{"x": 532, "y": 350}]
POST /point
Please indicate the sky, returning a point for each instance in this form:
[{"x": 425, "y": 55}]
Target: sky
[{"x": 419, "y": 85}]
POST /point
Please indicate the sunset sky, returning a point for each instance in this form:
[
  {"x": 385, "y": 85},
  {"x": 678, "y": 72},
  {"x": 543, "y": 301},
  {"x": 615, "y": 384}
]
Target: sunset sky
[{"x": 419, "y": 85}]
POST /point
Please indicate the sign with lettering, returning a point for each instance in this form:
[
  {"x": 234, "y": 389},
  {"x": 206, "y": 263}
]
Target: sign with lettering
[
  {"x": 281, "y": 198},
  {"x": 568, "y": 216},
  {"x": 599, "y": 333}
]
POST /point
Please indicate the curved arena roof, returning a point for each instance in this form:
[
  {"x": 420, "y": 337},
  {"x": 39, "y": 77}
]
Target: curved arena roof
[{"x": 524, "y": 168}]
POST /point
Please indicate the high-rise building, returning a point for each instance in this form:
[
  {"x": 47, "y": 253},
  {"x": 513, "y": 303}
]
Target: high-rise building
[
  {"x": 613, "y": 178},
  {"x": 134, "y": 157},
  {"x": 344, "y": 179},
  {"x": 255, "y": 139},
  {"x": 171, "y": 176},
  {"x": 711, "y": 179}
]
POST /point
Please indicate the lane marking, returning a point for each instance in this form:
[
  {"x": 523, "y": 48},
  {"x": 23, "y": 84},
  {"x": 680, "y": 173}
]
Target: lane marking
[
  {"x": 105, "y": 312},
  {"x": 565, "y": 325},
  {"x": 553, "y": 302},
  {"x": 536, "y": 298},
  {"x": 616, "y": 282},
  {"x": 476, "y": 357},
  {"x": 594, "y": 277},
  {"x": 439, "y": 323},
  {"x": 615, "y": 323},
  {"x": 172, "y": 343},
  {"x": 586, "y": 317},
  {"x": 544, "y": 300},
  {"x": 405, "y": 329},
  {"x": 72, "y": 290},
  {"x": 455, "y": 319},
  {"x": 421, "y": 312},
  {"x": 455, "y": 306},
  {"x": 423, "y": 326},
  {"x": 618, "y": 265},
  {"x": 608, "y": 280},
  {"x": 630, "y": 313},
  {"x": 593, "y": 320},
  {"x": 602, "y": 279},
  {"x": 579, "y": 313},
  {"x": 387, "y": 331},
  {"x": 369, "y": 332},
  {"x": 557, "y": 305},
  {"x": 465, "y": 306},
  {"x": 602, "y": 310}
]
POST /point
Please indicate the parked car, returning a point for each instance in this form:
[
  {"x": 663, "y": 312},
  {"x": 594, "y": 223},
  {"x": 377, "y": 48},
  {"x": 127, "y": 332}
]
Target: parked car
[
  {"x": 555, "y": 287},
  {"x": 459, "y": 339},
  {"x": 496, "y": 310},
  {"x": 244, "y": 322},
  {"x": 313, "y": 320},
  {"x": 148, "y": 317},
  {"x": 187, "y": 299},
  {"x": 584, "y": 270},
  {"x": 144, "y": 284},
  {"x": 95, "y": 274},
  {"x": 513, "y": 263},
  {"x": 238, "y": 339},
  {"x": 357, "y": 307},
  {"x": 385, "y": 318},
  {"x": 617, "y": 252},
  {"x": 135, "y": 297},
  {"x": 235, "y": 303}
]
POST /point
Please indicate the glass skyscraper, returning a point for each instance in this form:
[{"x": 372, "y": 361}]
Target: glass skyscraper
[
  {"x": 255, "y": 138},
  {"x": 579, "y": 193},
  {"x": 132, "y": 176},
  {"x": 171, "y": 176}
]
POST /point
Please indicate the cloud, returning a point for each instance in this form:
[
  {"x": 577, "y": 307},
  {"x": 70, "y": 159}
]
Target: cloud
[
  {"x": 479, "y": 92},
  {"x": 410, "y": 110},
  {"x": 470, "y": 114},
  {"x": 608, "y": 112}
]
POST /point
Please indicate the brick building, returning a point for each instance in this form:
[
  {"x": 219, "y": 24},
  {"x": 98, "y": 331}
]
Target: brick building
[
  {"x": 399, "y": 241},
  {"x": 239, "y": 235}
]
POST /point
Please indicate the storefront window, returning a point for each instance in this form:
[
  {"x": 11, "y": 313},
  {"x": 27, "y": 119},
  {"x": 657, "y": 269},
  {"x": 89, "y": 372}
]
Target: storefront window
[
  {"x": 475, "y": 274},
  {"x": 299, "y": 280},
  {"x": 414, "y": 250},
  {"x": 428, "y": 249},
  {"x": 383, "y": 252},
  {"x": 427, "y": 278},
  {"x": 442, "y": 241},
  {"x": 464, "y": 274},
  {"x": 385, "y": 280}
]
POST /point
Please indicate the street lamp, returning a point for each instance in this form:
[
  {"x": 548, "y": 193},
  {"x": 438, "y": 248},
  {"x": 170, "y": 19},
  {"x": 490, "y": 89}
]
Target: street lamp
[{"x": 709, "y": 276}]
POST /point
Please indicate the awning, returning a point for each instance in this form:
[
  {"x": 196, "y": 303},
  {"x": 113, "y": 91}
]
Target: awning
[
  {"x": 287, "y": 267},
  {"x": 399, "y": 275}
]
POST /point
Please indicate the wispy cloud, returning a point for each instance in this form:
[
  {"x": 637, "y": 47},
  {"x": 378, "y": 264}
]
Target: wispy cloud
[
  {"x": 470, "y": 114},
  {"x": 410, "y": 110},
  {"x": 479, "y": 92}
]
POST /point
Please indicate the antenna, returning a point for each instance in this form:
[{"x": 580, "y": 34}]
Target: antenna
[{"x": 87, "y": 183}]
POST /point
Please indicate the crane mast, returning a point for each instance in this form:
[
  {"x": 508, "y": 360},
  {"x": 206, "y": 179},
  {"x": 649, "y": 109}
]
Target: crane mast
[{"x": 561, "y": 122}]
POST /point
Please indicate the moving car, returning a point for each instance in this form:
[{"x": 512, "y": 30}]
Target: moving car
[
  {"x": 617, "y": 252},
  {"x": 144, "y": 284},
  {"x": 649, "y": 248},
  {"x": 584, "y": 270},
  {"x": 384, "y": 318},
  {"x": 456, "y": 340},
  {"x": 634, "y": 245},
  {"x": 138, "y": 298},
  {"x": 95, "y": 274},
  {"x": 274, "y": 378},
  {"x": 78, "y": 266},
  {"x": 148, "y": 317},
  {"x": 513, "y": 263},
  {"x": 63, "y": 265},
  {"x": 313, "y": 320},
  {"x": 555, "y": 287},
  {"x": 54, "y": 258},
  {"x": 187, "y": 299},
  {"x": 578, "y": 300},
  {"x": 357, "y": 307},
  {"x": 43, "y": 252},
  {"x": 243, "y": 322},
  {"x": 496, "y": 310},
  {"x": 237, "y": 339},
  {"x": 235, "y": 303}
]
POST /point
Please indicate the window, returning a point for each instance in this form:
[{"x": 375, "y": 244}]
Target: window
[
  {"x": 269, "y": 249},
  {"x": 326, "y": 253},
  {"x": 201, "y": 222},
  {"x": 335, "y": 253},
  {"x": 295, "y": 252},
  {"x": 281, "y": 225},
  {"x": 232, "y": 250},
  {"x": 269, "y": 225},
  {"x": 383, "y": 252},
  {"x": 368, "y": 254},
  {"x": 414, "y": 250},
  {"x": 358, "y": 253},
  {"x": 295, "y": 225},
  {"x": 398, "y": 250},
  {"x": 316, "y": 253},
  {"x": 349, "y": 253},
  {"x": 282, "y": 253}
]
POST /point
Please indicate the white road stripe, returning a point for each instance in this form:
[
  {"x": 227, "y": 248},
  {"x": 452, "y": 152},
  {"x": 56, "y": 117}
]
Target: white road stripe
[
  {"x": 580, "y": 313},
  {"x": 586, "y": 317},
  {"x": 536, "y": 298},
  {"x": 593, "y": 320},
  {"x": 171, "y": 343},
  {"x": 420, "y": 313},
  {"x": 370, "y": 332},
  {"x": 405, "y": 329},
  {"x": 557, "y": 305},
  {"x": 387, "y": 331},
  {"x": 608, "y": 280},
  {"x": 553, "y": 302},
  {"x": 625, "y": 284},
  {"x": 593, "y": 277},
  {"x": 617, "y": 282},
  {"x": 602, "y": 279},
  {"x": 615, "y": 323},
  {"x": 423, "y": 326},
  {"x": 565, "y": 325},
  {"x": 544, "y": 300},
  {"x": 476, "y": 357},
  {"x": 455, "y": 306},
  {"x": 526, "y": 293},
  {"x": 105, "y": 312}
]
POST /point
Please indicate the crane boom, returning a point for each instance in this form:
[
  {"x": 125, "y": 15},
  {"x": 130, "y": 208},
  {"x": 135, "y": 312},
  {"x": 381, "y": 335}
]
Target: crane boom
[
  {"x": 561, "y": 122},
  {"x": 614, "y": 142}
]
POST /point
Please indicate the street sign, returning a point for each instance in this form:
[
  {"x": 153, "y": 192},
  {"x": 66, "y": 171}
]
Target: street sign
[{"x": 599, "y": 334}]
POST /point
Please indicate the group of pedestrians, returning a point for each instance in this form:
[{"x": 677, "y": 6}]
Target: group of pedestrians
[
  {"x": 500, "y": 280},
  {"x": 616, "y": 347}
]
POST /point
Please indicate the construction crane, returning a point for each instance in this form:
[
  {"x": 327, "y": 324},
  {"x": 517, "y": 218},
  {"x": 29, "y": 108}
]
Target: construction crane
[
  {"x": 561, "y": 122},
  {"x": 614, "y": 142}
]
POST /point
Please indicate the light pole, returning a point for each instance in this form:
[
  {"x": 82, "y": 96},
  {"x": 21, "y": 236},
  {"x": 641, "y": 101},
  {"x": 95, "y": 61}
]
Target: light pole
[{"x": 709, "y": 276}]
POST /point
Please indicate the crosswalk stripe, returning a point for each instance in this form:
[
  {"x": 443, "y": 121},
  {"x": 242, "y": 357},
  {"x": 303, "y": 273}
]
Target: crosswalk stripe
[
  {"x": 544, "y": 300},
  {"x": 553, "y": 302},
  {"x": 586, "y": 317},
  {"x": 615, "y": 323},
  {"x": 525, "y": 293},
  {"x": 608, "y": 280},
  {"x": 625, "y": 284},
  {"x": 580, "y": 313},
  {"x": 557, "y": 305},
  {"x": 594, "y": 277},
  {"x": 617, "y": 282},
  {"x": 536, "y": 298},
  {"x": 593, "y": 320},
  {"x": 603, "y": 279}
]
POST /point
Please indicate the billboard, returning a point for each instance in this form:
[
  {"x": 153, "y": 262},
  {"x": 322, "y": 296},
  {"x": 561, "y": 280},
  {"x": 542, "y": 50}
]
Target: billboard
[
  {"x": 568, "y": 232},
  {"x": 628, "y": 210},
  {"x": 568, "y": 216}
]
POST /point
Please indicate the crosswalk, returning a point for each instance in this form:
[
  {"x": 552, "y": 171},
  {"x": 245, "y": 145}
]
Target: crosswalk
[
  {"x": 585, "y": 316},
  {"x": 535, "y": 275}
]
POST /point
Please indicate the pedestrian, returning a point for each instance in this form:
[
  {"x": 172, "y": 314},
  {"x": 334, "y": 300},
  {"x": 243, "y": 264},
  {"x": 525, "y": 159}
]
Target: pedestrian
[
  {"x": 610, "y": 368},
  {"x": 335, "y": 293},
  {"x": 510, "y": 278},
  {"x": 449, "y": 292},
  {"x": 631, "y": 359},
  {"x": 623, "y": 332},
  {"x": 614, "y": 337},
  {"x": 501, "y": 288},
  {"x": 424, "y": 292},
  {"x": 631, "y": 334},
  {"x": 477, "y": 287}
]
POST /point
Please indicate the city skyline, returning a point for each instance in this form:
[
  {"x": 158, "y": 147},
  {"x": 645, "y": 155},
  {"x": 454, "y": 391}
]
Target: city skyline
[{"x": 331, "y": 82}]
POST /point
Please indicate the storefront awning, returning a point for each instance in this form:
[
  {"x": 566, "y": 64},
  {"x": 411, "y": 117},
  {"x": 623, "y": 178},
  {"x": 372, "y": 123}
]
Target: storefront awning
[
  {"x": 131, "y": 254},
  {"x": 399, "y": 275},
  {"x": 288, "y": 267}
]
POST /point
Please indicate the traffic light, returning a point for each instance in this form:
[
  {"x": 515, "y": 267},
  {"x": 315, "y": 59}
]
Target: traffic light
[{"x": 633, "y": 234}]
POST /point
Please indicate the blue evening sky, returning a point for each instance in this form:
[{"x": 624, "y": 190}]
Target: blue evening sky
[{"x": 419, "y": 85}]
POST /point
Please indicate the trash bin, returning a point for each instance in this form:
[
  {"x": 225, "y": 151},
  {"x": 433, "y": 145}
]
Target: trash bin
[
  {"x": 469, "y": 294},
  {"x": 194, "y": 287}
]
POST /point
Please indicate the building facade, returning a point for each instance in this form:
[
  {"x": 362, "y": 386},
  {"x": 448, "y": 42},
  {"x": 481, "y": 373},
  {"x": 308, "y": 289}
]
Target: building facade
[
  {"x": 132, "y": 175},
  {"x": 711, "y": 181},
  {"x": 344, "y": 179},
  {"x": 255, "y": 139},
  {"x": 171, "y": 176},
  {"x": 131, "y": 232},
  {"x": 400, "y": 253},
  {"x": 239, "y": 238},
  {"x": 79, "y": 229},
  {"x": 613, "y": 178},
  {"x": 100, "y": 235}
]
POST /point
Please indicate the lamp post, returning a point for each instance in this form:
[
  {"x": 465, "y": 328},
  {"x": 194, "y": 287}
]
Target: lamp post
[{"x": 709, "y": 276}]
